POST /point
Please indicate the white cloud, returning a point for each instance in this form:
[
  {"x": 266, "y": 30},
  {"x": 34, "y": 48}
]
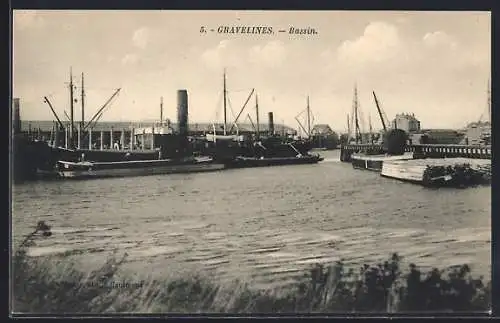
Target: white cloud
[
  {"x": 130, "y": 59},
  {"x": 447, "y": 50},
  {"x": 379, "y": 42},
  {"x": 271, "y": 54},
  {"x": 141, "y": 37},
  {"x": 218, "y": 56},
  {"x": 439, "y": 39},
  {"x": 24, "y": 19}
]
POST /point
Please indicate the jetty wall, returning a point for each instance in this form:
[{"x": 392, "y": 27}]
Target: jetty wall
[{"x": 421, "y": 151}]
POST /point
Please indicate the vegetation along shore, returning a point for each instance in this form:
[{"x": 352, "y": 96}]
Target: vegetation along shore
[{"x": 55, "y": 285}]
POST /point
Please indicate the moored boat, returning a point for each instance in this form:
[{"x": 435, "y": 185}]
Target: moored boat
[
  {"x": 84, "y": 169},
  {"x": 244, "y": 162},
  {"x": 375, "y": 162},
  {"x": 440, "y": 172}
]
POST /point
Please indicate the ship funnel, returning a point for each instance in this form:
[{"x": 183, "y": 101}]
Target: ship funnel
[
  {"x": 271, "y": 123},
  {"x": 16, "y": 116},
  {"x": 182, "y": 112}
]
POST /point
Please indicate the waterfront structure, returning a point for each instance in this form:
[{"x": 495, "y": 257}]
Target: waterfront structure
[
  {"x": 437, "y": 136},
  {"x": 195, "y": 129},
  {"x": 323, "y": 136},
  {"x": 407, "y": 122},
  {"x": 477, "y": 133},
  {"x": 322, "y": 129}
]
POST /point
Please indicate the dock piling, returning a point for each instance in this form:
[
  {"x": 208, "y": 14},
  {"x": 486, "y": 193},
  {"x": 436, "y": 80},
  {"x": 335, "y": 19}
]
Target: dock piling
[
  {"x": 132, "y": 139},
  {"x": 111, "y": 138},
  {"x": 153, "y": 136},
  {"x": 79, "y": 134},
  {"x": 90, "y": 139},
  {"x": 66, "y": 138},
  {"x": 122, "y": 139},
  {"x": 56, "y": 136}
]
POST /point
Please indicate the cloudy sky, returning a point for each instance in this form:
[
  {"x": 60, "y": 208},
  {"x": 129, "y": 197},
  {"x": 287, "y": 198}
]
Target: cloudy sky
[{"x": 433, "y": 64}]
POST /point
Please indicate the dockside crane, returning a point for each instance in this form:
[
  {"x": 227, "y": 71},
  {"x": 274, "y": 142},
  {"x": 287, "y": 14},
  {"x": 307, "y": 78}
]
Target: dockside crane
[
  {"x": 300, "y": 125},
  {"x": 46, "y": 100},
  {"x": 99, "y": 113},
  {"x": 241, "y": 111},
  {"x": 381, "y": 113}
]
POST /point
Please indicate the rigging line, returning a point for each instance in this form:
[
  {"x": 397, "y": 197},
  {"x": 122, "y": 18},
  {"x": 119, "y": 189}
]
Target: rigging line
[
  {"x": 218, "y": 107},
  {"x": 239, "y": 90},
  {"x": 99, "y": 88},
  {"x": 231, "y": 108}
]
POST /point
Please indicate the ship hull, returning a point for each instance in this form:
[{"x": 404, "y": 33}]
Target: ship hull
[
  {"x": 440, "y": 172},
  {"x": 128, "y": 169},
  {"x": 375, "y": 162},
  {"x": 242, "y": 162}
]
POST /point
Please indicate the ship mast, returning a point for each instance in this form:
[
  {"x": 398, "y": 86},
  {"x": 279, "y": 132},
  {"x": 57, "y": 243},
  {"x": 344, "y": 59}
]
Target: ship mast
[
  {"x": 308, "y": 118},
  {"x": 348, "y": 128},
  {"x": 489, "y": 102},
  {"x": 371, "y": 129},
  {"x": 225, "y": 103},
  {"x": 82, "y": 124},
  {"x": 161, "y": 111},
  {"x": 71, "y": 118},
  {"x": 357, "y": 130},
  {"x": 257, "y": 113}
]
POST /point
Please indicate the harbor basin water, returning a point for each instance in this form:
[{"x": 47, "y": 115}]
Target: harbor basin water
[{"x": 264, "y": 225}]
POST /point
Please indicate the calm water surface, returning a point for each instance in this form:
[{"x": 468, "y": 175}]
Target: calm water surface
[{"x": 264, "y": 225}]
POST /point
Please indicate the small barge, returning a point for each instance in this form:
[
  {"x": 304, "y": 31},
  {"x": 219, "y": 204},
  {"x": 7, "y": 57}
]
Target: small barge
[
  {"x": 443, "y": 172},
  {"x": 244, "y": 162},
  {"x": 85, "y": 170},
  {"x": 375, "y": 162}
]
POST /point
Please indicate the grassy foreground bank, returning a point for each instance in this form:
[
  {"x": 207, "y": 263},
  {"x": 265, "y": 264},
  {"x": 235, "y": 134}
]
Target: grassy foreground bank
[{"x": 52, "y": 285}]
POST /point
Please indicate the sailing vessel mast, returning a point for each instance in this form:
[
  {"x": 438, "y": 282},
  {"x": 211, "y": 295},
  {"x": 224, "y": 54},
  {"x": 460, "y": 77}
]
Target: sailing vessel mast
[
  {"x": 357, "y": 131},
  {"x": 257, "y": 113},
  {"x": 225, "y": 103},
  {"x": 71, "y": 118},
  {"x": 308, "y": 118},
  {"x": 348, "y": 129},
  {"x": 371, "y": 129},
  {"x": 82, "y": 123},
  {"x": 161, "y": 111},
  {"x": 489, "y": 102}
]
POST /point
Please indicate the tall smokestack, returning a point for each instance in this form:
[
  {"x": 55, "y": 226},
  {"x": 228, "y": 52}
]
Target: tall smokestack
[
  {"x": 182, "y": 112},
  {"x": 16, "y": 116},
  {"x": 271, "y": 123}
]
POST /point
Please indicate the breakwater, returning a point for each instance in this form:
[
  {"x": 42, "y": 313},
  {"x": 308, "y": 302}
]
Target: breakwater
[{"x": 420, "y": 151}]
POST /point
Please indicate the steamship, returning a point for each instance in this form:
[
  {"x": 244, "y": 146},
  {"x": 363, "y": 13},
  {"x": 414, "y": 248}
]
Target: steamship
[
  {"x": 263, "y": 149},
  {"x": 173, "y": 154}
]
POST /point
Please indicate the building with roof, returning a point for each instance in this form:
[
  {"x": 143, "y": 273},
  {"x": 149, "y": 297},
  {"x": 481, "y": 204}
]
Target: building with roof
[
  {"x": 477, "y": 133},
  {"x": 321, "y": 129},
  {"x": 324, "y": 137},
  {"x": 437, "y": 136},
  {"x": 407, "y": 122}
]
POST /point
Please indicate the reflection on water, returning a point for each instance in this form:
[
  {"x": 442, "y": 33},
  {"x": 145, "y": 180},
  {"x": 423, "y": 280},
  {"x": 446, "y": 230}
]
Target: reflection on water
[{"x": 263, "y": 224}]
